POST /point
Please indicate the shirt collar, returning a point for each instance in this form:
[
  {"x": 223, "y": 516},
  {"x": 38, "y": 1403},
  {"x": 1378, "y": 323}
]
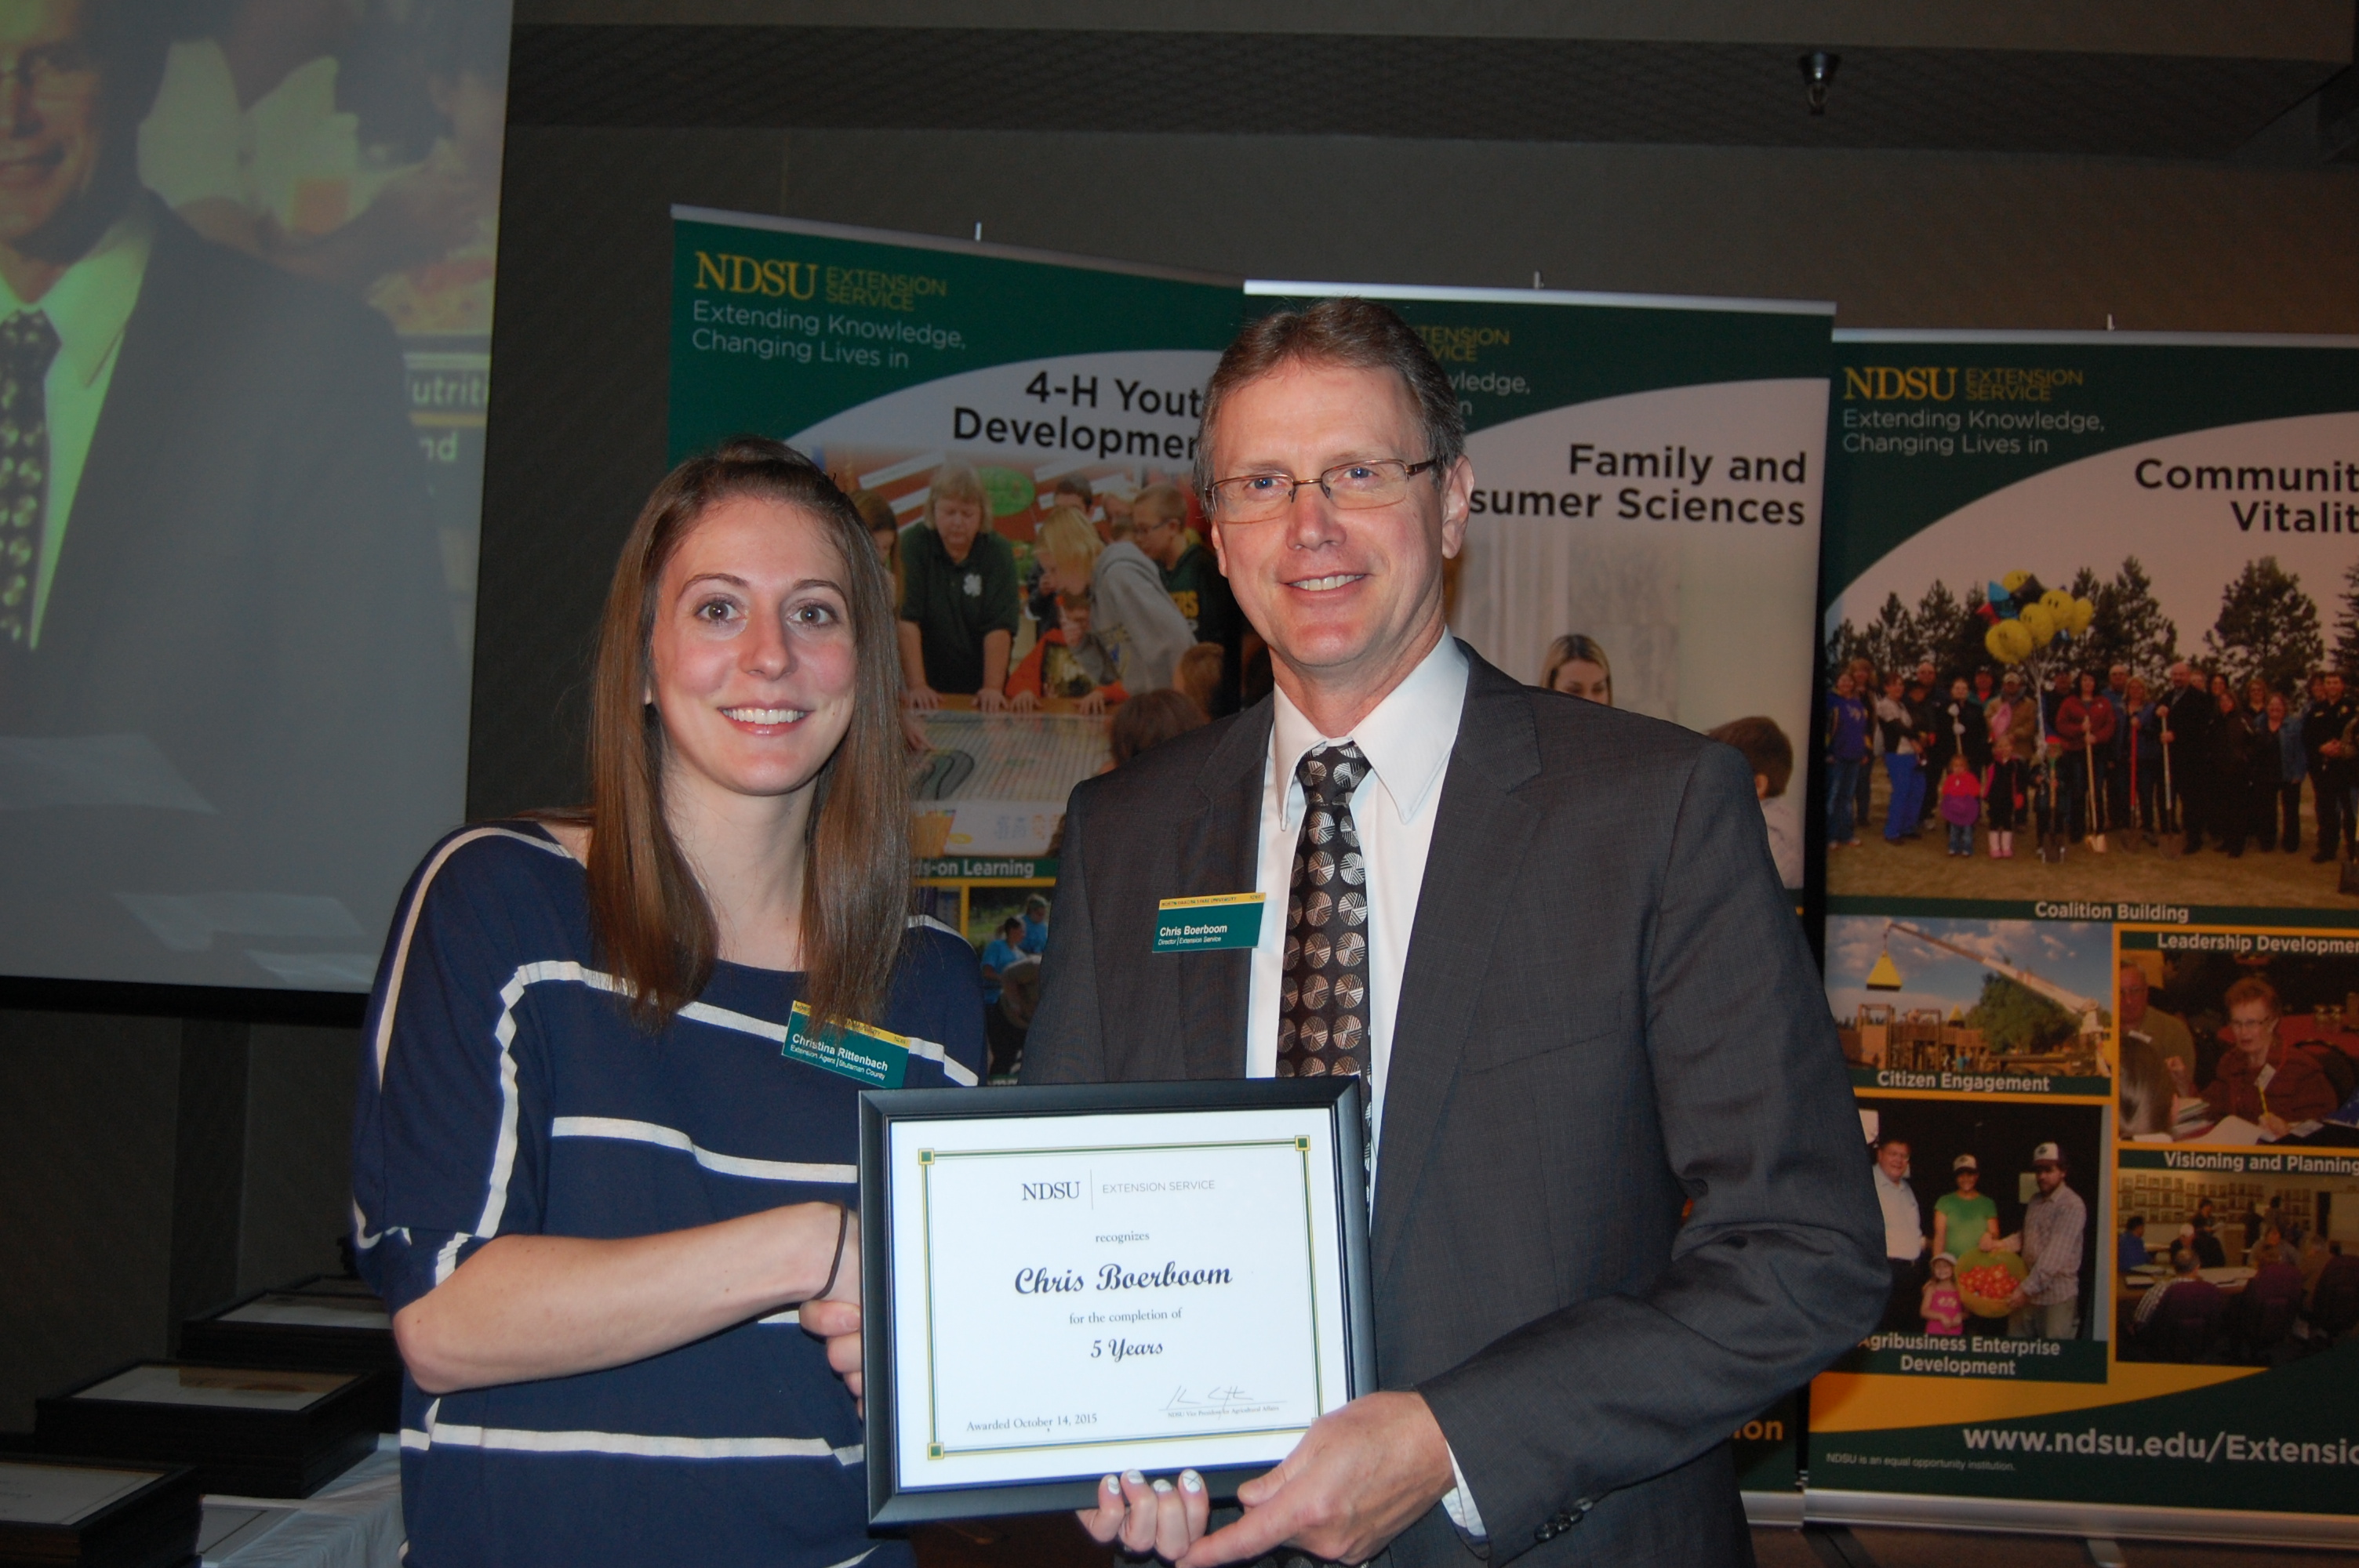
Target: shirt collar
[
  {"x": 91, "y": 303},
  {"x": 1407, "y": 738}
]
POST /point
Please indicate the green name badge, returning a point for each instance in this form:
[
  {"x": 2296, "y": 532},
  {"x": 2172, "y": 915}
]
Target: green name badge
[
  {"x": 1216, "y": 920},
  {"x": 876, "y": 1057}
]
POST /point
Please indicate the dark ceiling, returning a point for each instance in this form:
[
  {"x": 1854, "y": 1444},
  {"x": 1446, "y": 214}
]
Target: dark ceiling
[{"x": 1527, "y": 89}]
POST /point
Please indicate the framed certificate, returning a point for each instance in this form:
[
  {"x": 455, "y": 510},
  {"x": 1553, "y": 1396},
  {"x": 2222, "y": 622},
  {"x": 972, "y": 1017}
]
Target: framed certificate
[{"x": 1060, "y": 1282}]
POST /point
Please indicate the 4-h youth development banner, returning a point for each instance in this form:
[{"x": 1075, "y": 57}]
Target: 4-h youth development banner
[
  {"x": 943, "y": 383},
  {"x": 2092, "y": 609}
]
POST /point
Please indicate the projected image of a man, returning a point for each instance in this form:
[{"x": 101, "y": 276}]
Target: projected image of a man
[{"x": 225, "y": 665}]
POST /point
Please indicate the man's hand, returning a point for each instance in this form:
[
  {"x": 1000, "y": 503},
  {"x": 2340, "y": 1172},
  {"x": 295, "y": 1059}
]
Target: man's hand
[
  {"x": 990, "y": 700},
  {"x": 1155, "y": 1517},
  {"x": 1360, "y": 1477},
  {"x": 1023, "y": 702},
  {"x": 2273, "y": 1124},
  {"x": 922, "y": 696},
  {"x": 838, "y": 1322}
]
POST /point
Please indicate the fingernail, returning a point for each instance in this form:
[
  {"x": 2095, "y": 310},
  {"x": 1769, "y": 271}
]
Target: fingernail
[
  {"x": 1133, "y": 1477},
  {"x": 1162, "y": 1485},
  {"x": 1110, "y": 1484},
  {"x": 1191, "y": 1482}
]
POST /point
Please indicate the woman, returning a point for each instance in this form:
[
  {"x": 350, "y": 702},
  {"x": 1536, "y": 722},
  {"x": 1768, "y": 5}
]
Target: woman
[
  {"x": 1131, "y": 617},
  {"x": 2279, "y": 768},
  {"x": 2086, "y": 722},
  {"x": 1577, "y": 666},
  {"x": 595, "y": 1157},
  {"x": 1899, "y": 732}
]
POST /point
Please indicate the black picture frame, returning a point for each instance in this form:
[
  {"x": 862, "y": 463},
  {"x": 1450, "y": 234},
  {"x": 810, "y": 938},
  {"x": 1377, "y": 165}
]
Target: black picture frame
[{"x": 892, "y": 1503}]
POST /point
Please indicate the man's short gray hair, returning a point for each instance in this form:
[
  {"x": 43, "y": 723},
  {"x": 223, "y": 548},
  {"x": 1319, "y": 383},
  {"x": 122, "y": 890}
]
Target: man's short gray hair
[{"x": 1359, "y": 334}]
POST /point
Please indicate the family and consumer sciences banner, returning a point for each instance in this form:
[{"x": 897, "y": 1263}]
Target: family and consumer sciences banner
[
  {"x": 2163, "y": 966},
  {"x": 1647, "y": 473}
]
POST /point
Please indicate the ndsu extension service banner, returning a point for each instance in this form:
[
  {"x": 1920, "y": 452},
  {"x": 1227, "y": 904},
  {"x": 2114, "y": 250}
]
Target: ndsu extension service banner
[
  {"x": 932, "y": 376},
  {"x": 1647, "y": 478},
  {"x": 2092, "y": 941}
]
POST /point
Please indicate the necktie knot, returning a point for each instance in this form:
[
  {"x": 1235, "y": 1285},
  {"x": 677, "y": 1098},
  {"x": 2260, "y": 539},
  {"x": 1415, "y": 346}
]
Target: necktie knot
[
  {"x": 28, "y": 342},
  {"x": 1330, "y": 772}
]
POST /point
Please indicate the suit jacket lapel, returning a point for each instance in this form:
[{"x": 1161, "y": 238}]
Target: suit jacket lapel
[
  {"x": 1480, "y": 831},
  {"x": 1218, "y": 851}
]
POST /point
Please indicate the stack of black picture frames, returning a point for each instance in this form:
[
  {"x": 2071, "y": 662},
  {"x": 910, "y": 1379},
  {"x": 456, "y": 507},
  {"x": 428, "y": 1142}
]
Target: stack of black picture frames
[
  {"x": 273, "y": 1395},
  {"x": 95, "y": 1513}
]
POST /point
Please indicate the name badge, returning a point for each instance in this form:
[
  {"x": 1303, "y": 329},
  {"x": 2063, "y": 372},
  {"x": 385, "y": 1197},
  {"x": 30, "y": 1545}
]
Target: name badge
[
  {"x": 877, "y": 1058},
  {"x": 1214, "y": 921}
]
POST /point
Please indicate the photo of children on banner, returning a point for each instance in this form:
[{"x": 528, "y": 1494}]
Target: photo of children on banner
[
  {"x": 2079, "y": 721},
  {"x": 2286, "y": 1291},
  {"x": 2026, "y": 1258},
  {"x": 2212, "y": 1052}
]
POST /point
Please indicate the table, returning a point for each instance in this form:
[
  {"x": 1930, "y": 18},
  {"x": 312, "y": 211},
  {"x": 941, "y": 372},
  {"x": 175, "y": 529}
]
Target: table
[{"x": 353, "y": 1521}]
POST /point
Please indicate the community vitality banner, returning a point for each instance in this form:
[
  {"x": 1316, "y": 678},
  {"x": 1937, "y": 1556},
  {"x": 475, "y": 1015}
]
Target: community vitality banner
[
  {"x": 1647, "y": 473},
  {"x": 2091, "y": 611},
  {"x": 934, "y": 380}
]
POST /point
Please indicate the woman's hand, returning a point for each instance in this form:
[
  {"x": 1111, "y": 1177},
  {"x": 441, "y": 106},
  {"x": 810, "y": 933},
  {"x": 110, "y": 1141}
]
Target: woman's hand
[
  {"x": 1091, "y": 701},
  {"x": 922, "y": 697},
  {"x": 1149, "y": 1516},
  {"x": 1023, "y": 702},
  {"x": 836, "y": 1319}
]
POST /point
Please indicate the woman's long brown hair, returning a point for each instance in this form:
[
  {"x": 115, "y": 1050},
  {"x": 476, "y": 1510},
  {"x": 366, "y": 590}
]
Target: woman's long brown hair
[{"x": 648, "y": 915}]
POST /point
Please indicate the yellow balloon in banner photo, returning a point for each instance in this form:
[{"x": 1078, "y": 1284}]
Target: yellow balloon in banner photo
[
  {"x": 2014, "y": 581},
  {"x": 2039, "y": 622},
  {"x": 2009, "y": 642},
  {"x": 2059, "y": 602},
  {"x": 2083, "y": 612}
]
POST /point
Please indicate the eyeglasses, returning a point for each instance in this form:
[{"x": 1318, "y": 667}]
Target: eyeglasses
[{"x": 1352, "y": 486}]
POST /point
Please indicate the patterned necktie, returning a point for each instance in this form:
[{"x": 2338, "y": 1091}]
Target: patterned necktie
[
  {"x": 1323, "y": 1007},
  {"x": 28, "y": 344}
]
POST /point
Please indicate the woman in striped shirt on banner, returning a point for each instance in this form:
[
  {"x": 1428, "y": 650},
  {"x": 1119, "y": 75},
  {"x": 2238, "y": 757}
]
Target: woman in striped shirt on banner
[{"x": 599, "y": 1161}]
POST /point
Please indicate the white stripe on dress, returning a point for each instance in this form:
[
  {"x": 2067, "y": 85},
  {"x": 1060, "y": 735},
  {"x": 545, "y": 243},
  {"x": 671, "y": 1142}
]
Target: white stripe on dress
[{"x": 672, "y": 1138}]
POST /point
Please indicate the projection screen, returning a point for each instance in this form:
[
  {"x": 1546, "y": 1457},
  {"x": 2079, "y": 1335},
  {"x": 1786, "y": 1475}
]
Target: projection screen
[{"x": 245, "y": 290}]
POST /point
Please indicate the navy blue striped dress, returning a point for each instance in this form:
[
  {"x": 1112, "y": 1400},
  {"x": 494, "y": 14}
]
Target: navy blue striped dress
[{"x": 505, "y": 1092}]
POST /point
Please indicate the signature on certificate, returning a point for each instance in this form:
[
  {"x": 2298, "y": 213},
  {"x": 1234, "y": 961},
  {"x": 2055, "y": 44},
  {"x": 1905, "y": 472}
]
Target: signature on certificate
[{"x": 1222, "y": 1398}]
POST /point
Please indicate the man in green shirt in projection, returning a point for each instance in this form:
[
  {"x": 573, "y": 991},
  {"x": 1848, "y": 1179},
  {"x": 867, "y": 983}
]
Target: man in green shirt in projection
[
  {"x": 1965, "y": 1219},
  {"x": 1190, "y": 576},
  {"x": 959, "y": 598}
]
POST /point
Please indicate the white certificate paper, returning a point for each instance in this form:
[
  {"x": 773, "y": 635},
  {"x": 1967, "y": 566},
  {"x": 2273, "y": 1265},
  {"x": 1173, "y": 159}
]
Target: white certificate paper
[{"x": 1079, "y": 1294}]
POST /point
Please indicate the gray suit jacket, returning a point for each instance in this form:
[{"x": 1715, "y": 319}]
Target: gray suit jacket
[{"x": 1608, "y": 1012}]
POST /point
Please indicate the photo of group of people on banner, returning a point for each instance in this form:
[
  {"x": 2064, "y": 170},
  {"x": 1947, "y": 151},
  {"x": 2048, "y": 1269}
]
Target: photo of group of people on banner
[{"x": 2051, "y": 723}]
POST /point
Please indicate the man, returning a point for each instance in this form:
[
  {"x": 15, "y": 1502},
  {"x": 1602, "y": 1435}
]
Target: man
[
  {"x": 1193, "y": 578},
  {"x": 2189, "y": 717},
  {"x": 2047, "y": 1305},
  {"x": 2331, "y": 764},
  {"x": 958, "y": 597},
  {"x": 223, "y": 620},
  {"x": 1904, "y": 1234},
  {"x": 1561, "y": 1356},
  {"x": 2192, "y": 1300},
  {"x": 2130, "y": 1251},
  {"x": 2142, "y": 1021},
  {"x": 1964, "y": 1220},
  {"x": 2261, "y": 1078}
]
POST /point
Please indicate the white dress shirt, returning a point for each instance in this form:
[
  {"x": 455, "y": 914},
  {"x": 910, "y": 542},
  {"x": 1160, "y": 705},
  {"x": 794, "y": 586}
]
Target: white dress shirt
[
  {"x": 88, "y": 307},
  {"x": 1406, "y": 741},
  {"x": 1904, "y": 1222}
]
